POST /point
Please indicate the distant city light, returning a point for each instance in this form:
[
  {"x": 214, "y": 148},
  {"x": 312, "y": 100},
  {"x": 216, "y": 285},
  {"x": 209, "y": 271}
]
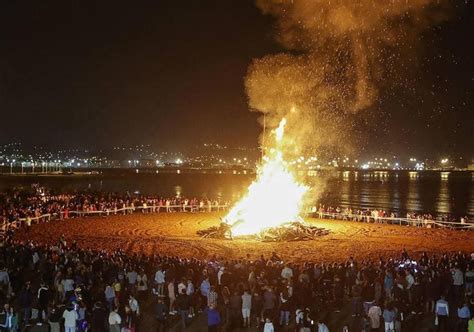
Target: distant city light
[{"x": 419, "y": 166}]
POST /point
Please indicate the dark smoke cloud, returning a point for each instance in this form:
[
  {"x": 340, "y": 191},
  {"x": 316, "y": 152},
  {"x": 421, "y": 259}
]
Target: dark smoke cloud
[{"x": 339, "y": 53}]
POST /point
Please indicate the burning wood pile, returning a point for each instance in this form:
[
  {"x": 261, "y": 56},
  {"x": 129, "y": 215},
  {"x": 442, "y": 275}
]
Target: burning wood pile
[
  {"x": 223, "y": 231},
  {"x": 291, "y": 231}
]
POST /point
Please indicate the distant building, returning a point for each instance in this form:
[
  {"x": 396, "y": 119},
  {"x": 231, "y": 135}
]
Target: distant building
[
  {"x": 147, "y": 163},
  {"x": 470, "y": 167}
]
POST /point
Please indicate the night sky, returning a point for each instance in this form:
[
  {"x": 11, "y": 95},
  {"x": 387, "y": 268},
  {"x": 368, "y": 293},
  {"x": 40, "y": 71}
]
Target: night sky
[{"x": 171, "y": 74}]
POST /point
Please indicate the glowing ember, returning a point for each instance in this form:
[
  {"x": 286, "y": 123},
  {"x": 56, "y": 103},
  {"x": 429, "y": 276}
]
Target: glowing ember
[{"x": 274, "y": 198}]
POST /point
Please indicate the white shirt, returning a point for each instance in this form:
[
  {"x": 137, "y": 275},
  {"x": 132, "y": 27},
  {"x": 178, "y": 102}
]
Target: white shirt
[
  {"x": 133, "y": 303},
  {"x": 114, "y": 318},
  {"x": 410, "y": 281},
  {"x": 132, "y": 277},
  {"x": 35, "y": 258},
  {"x": 246, "y": 301},
  {"x": 322, "y": 328},
  {"x": 442, "y": 308},
  {"x": 70, "y": 318},
  {"x": 181, "y": 287},
  {"x": 160, "y": 277},
  {"x": 268, "y": 327},
  {"x": 299, "y": 316},
  {"x": 458, "y": 279},
  {"x": 219, "y": 275},
  {"x": 287, "y": 273},
  {"x": 374, "y": 315},
  {"x": 190, "y": 289},
  {"x": 68, "y": 285}
]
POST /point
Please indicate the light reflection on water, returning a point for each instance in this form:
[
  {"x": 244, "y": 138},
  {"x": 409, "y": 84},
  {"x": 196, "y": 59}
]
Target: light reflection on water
[
  {"x": 442, "y": 205},
  {"x": 428, "y": 192}
]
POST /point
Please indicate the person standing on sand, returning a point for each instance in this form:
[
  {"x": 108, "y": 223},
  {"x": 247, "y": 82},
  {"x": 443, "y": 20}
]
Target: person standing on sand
[
  {"x": 205, "y": 288},
  {"x": 458, "y": 282},
  {"x": 389, "y": 318},
  {"x": 70, "y": 319},
  {"x": 269, "y": 299},
  {"x": 142, "y": 284},
  {"x": 212, "y": 297},
  {"x": 132, "y": 276},
  {"x": 284, "y": 309},
  {"x": 246, "y": 307},
  {"x": 192, "y": 296},
  {"x": 109, "y": 296},
  {"x": 160, "y": 280},
  {"x": 161, "y": 314},
  {"x": 213, "y": 319},
  {"x": 25, "y": 298},
  {"x": 268, "y": 327},
  {"x": 172, "y": 296},
  {"x": 44, "y": 296},
  {"x": 469, "y": 279},
  {"x": 470, "y": 326},
  {"x": 114, "y": 321},
  {"x": 134, "y": 305},
  {"x": 322, "y": 327},
  {"x": 442, "y": 314},
  {"x": 463, "y": 317},
  {"x": 388, "y": 284},
  {"x": 374, "y": 315},
  {"x": 183, "y": 303}
]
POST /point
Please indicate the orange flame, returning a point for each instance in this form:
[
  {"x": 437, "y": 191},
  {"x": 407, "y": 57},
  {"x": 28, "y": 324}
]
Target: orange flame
[{"x": 274, "y": 198}]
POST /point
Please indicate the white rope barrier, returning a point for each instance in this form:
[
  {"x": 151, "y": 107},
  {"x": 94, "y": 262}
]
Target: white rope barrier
[
  {"x": 390, "y": 220},
  {"x": 222, "y": 207},
  {"x": 144, "y": 208}
]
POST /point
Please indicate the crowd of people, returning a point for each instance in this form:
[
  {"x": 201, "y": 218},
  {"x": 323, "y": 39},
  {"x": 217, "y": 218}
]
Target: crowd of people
[
  {"x": 383, "y": 216},
  {"x": 37, "y": 204},
  {"x": 28, "y": 206},
  {"x": 63, "y": 286}
]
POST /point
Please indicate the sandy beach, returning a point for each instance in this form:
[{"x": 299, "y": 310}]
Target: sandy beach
[{"x": 175, "y": 234}]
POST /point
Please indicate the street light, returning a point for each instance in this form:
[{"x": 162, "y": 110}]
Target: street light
[{"x": 11, "y": 166}]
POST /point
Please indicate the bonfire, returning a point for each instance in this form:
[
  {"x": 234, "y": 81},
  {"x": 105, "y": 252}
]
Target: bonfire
[
  {"x": 291, "y": 231},
  {"x": 271, "y": 208}
]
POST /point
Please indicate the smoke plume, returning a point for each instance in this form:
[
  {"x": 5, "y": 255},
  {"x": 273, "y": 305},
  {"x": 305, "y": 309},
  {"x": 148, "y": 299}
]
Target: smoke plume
[{"x": 339, "y": 53}]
